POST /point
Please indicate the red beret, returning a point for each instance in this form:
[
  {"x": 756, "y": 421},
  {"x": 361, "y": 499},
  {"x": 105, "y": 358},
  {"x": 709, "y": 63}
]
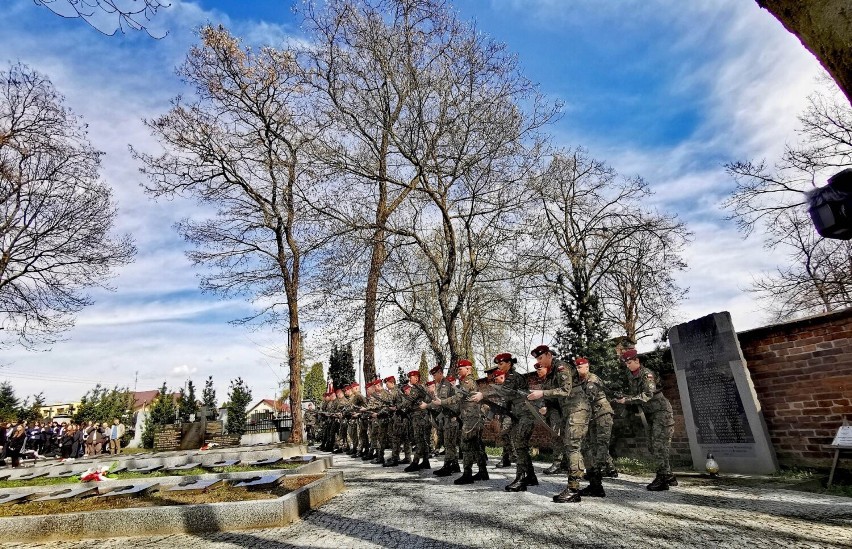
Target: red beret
[
  {"x": 500, "y": 373},
  {"x": 465, "y": 362},
  {"x": 627, "y": 354},
  {"x": 435, "y": 369},
  {"x": 414, "y": 373},
  {"x": 355, "y": 384},
  {"x": 430, "y": 383},
  {"x": 451, "y": 379},
  {"x": 339, "y": 390},
  {"x": 406, "y": 388},
  {"x": 390, "y": 379},
  {"x": 507, "y": 357},
  {"x": 540, "y": 350},
  {"x": 581, "y": 360}
]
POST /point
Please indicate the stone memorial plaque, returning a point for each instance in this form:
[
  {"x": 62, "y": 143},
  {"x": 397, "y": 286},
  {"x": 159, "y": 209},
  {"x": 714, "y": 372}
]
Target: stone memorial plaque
[
  {"x": 262, "y": 462},
  {"x": 302, "y": 459},
  {"x": 81, "y": 491},
  {"x": 29, "y": 475},
  {"x": 19, "y": 497},
  {"x": 146, "y": 469},
  {"x": 62, "y": 473},
  {"x": 132, "y": 490},
  {"x": 184, "y": 467},
  {"x": 196, "y": 485},
  {"x": 224, "y": 463},
  {"x": 720, "y": 407},
  {"x": 265, "y": 481}
]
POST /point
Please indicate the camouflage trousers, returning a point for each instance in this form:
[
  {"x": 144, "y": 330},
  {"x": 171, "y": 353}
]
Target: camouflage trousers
[
  {"x": 364, "y": 433},
  {"x": 471, "y": 444},
  {"x": 520, "y": 431},
  {"x": 575, "y": 426},
  {"x": 660, "y": 431},
  {"x": 596, "y": 443},
  {"x": 557, "y": 445},
  {"x": 382, "y": 435},
  {"x": 506, "y": 440},
  {"x": 342, "y": 434},
  {"x": 451, "y": 438},
  {"x": 399, "y": 435},
  {"x": 352, "y": 433},
  {"x": 422, "y": 427}
]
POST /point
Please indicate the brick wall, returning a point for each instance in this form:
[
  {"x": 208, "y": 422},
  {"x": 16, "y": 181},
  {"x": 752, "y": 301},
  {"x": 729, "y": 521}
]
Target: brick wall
[{"x": 802, "y": 373}]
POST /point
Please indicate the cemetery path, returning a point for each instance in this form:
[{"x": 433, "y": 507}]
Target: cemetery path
[{"x": 384, "y": 507}]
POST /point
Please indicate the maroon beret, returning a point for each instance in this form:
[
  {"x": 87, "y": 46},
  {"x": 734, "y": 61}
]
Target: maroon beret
[{"x": 540, "y": 350}]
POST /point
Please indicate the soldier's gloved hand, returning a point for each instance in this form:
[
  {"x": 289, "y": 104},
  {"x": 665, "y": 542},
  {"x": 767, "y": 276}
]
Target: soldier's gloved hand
[
  {"x": 475, "y": 397},
  {"x": 535, "y": 395}
]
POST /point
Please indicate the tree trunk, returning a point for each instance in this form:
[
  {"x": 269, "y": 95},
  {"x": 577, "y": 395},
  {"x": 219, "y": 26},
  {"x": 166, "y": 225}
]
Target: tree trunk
[
  {"x": 377, "y": 259},
  {"x": 825, "y": 29},
  {"x": 295, "y": 362}
]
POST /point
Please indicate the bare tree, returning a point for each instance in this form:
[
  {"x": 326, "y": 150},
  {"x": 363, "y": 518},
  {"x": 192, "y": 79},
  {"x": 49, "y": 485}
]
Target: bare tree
[
  {"x": 101, "y": 14},
  {"x": 56, "y": 215},
  {"x": 599, "y": 249},
  {"x": 817, "y": 278},
  {"x": 242, "y": 147}
]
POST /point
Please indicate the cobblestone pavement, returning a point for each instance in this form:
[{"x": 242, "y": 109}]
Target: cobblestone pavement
[{"x": 384, "y": 507}]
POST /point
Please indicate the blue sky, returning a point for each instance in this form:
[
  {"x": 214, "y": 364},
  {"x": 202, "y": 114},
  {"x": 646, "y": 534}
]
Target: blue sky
[{"x": 665, "y": 89}]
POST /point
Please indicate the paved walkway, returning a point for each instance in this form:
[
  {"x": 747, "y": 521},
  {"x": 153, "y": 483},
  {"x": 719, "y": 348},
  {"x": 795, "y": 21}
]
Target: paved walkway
[{"x": 389, "y": 508}]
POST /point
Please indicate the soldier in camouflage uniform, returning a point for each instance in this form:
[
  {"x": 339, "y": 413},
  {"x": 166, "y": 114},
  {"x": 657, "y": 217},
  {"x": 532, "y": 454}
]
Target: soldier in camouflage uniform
[
  {"x": 382, "y": 415},
  {"x": 449, "y": 423},
  {"x": 504, "y": 436},
  {"x": 310, "y": 422},
  {"x": 561, "y": 380},
  {"x": 596, "y": 446},
  {"x": 357, "y": 403},
  {"x": 342, "y": 408},
  {"x": 647, "y": 393},
  {"x": 420, "y": 422},
  {"x": 396, "y": 428},
  {"x": 513, "y": 385},
  {"x": 465, "y": 403}
]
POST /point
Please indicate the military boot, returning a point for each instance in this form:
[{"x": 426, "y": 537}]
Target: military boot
[
  {"x": 425, "y": 464},
  {"x": 610, "y": 471},
  {"x": 505, "y": 462},
  {"x": 444, "y": 471},
  {"x": 454, "y": 467},
  {"x": 415, "y": 466},
  {"x": 595, "y": 487},
  {"x": 658, "y": 484},
  {"x": 554, "y": 469},
  {"x": 466, "y": 478},
  {"x": 380, "y": 459},
  {"x": 518, "y": 485},
  {"x": 671, "y": 480},
  {"x": 570, "y": 494},
  {"x": 405, "y": 460},
  {"x": 392, "y": 462},
  {"x": 530, "y": 479},
  {"x": 482, "y": 474},
  {"x": 368, "y": 455}
]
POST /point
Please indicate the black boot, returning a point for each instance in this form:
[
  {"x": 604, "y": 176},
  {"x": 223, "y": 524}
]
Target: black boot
[
  {"x": 380, "y": 459},
  {"x": 568, "y": 495},
  {"x": 505, "y": 462},
  {"x": 671, "y": 480},
  {"x": 531, "y": 479},
  {"x": 368, "y": 455},
  {"x": 454, "y": 467},
  {"x": 553, "y": 469},
  {"x": 407, "y": 459},
  {"x": 610, "y": 471},
  {"x": 595, "y": 487},
  {"x": 392, "y": 462},
  {"x": 482, "y": 474},
  {"x": 415, "y": 466},
  {"x": 518, "y": 485},
  {"x": 658, "y": 484},
  {"x": 466, "y": 478},
  {"x": 444, "y": 471},
  {"x": 425, "y": 464}
]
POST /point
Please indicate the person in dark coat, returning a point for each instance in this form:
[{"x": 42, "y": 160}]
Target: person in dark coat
[{"x": 16, "y": 444}]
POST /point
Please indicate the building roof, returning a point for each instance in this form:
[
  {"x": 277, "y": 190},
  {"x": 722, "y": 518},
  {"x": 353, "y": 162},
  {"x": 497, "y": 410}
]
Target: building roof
[
  {"x": 277, "y": 405},
  {"x": 144, "y": 398}
]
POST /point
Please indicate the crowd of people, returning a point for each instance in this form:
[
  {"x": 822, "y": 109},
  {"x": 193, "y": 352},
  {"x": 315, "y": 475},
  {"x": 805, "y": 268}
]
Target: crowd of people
[
  {"x": 570, "y": 402},
  {"x": 59, "y": 440}
]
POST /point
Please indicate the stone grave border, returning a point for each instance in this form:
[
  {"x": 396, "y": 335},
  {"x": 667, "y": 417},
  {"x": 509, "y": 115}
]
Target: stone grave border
[{"x": 188, "y": 519}]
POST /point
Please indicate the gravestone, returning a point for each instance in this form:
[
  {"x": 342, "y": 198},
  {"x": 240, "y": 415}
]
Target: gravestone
[
  {"x": 145, "y": 470},
  {"x": 196, "y": 485},
  {"x": 80, "y": 491},
  {"x": 264, "y": 481},
  {"x": 262, "y": 462},
  {"x": 137, "y": 430},
  {"x": 134, "y": 490},
  {"x": 720, "y": 407},
  {"x": 223, "y": 463},
  {"x": 19, "y": 497},
  {"x": 184, "y": 467}
]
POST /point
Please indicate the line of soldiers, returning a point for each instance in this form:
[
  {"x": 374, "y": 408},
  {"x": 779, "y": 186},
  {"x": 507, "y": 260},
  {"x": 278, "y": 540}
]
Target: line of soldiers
[{"x": 570, "y": 402}]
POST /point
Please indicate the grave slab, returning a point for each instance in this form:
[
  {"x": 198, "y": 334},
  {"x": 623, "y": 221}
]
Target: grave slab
[
  {"x": 224, "y": 463},
  {"x": 720, "y": 407},
  {"x": 268, "y": 461},
  {"x": 184, "y": 467},
  {"x": 196, "y": 485},
  {"x": 301, "y": 459},
  {"x": 133, "y": 490},
  {"x": 146, "y": 469},
  {"x": 19, "y": 497},
  {"x": 29, "y": 475},
  {"x": 80, "y": 491},
  {"x": 265, "y": 481}
]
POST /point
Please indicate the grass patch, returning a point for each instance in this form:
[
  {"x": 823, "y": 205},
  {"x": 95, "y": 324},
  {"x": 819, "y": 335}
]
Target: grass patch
[
  {"x": 223, "y": 493},
  {"x": 634, "y": 466}
]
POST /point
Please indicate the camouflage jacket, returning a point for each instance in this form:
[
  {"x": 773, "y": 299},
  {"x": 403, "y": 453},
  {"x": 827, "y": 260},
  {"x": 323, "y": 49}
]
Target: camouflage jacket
[
  {"x": 645, "y": 391},
  {"x": 594, "y": 388}
]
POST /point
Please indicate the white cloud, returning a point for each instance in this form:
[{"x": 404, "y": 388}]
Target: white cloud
[{"x": 183, "y": 370}]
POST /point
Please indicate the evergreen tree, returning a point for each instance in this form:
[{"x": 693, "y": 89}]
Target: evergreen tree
[
  {"x": 341, "y": 368},
  {"x": 239, "y": 399},
  {"x": 187, "y": 405},
  {"x": 208, "y": 398},
  {"x": 102, "y": 404},
  {"x": 315, "y": 384},
  {"x": 31, "y": 412},
  {"x": 9, "y": 403},
  {"x": 584, "y": 334},
  {"x": 162, "y": 412}
]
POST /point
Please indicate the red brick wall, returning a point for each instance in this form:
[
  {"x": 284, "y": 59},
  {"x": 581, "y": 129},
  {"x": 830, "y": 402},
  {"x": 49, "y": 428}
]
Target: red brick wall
[{"x": 802, "y": 373}]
